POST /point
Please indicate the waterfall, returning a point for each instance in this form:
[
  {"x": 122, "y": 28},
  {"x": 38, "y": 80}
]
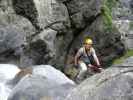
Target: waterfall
[{"x": 7, "y": 73}]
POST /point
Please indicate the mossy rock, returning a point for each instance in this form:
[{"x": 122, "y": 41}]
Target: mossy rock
[
  {"x": 71, "y": 71},
  {"x": 131, "y": 25},
  {"x": 127, "y": 54}
]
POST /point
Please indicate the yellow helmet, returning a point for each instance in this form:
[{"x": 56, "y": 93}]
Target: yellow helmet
[{"x": 88, "y": 41}]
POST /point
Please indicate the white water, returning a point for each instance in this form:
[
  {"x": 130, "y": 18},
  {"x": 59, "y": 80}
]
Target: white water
[{"x": 7, "y": 72}]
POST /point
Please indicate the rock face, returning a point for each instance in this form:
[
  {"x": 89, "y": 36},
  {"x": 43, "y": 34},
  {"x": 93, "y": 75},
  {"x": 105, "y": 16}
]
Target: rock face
[
  {"x": 14, "y": 30},
  {"x": 44, "y": 83},
  {"x": 47, "y": 32},
  {"x": 114, "y": 83}
]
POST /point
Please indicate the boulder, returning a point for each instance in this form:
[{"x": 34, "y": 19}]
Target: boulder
[
  {"x": 37, "y": 26},
  {"x": 45, "y": 82},
  {"x": 83, "y": 11},
  {"x": 115, "y": 83},
  {"x": 14, "y": 33},
  {"x": 12, "y": 43},
  {"x": 54, "y": 16}
]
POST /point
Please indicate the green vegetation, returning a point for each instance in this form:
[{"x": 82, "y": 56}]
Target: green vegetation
[
  {"x": 107, "y": 17},
  {"x": 131, "y": 25},
  {"x": 110, "y": 3},
  {"x": 121, "y": 59},
  {"x": 107, "y": 14},
  {"x": 71, "y": 72}
]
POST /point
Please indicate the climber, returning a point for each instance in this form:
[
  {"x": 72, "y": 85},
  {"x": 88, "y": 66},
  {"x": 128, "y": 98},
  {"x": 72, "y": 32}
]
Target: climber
[{"x": 84, "y": 56}]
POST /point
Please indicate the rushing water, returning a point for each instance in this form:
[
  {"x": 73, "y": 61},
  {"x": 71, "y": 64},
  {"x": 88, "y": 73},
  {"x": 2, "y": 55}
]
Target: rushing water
[{"x": 7, "y": 73}]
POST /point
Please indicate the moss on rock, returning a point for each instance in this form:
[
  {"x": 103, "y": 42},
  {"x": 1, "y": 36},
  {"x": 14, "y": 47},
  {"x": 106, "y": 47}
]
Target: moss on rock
[
  {"x": 106, "y": 11},
  {"x": 127, "y": 54}
]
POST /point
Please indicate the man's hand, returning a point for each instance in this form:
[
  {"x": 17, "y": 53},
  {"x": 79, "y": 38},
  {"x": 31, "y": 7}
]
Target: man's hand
[
  {"x": 95, "y": 68},
  {"x": 100, "y": 67},
  {"x": 90, "y": 65}
]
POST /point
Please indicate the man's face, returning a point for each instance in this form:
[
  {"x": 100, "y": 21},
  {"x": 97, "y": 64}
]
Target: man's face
[{"x": 87, "y": 46}]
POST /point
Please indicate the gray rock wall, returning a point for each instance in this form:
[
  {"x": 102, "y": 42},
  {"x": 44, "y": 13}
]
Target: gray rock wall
[{"x": 50, "y": 31}]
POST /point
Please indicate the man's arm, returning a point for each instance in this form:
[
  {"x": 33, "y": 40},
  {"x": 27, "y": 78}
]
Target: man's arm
[
  {"x": 95, "y": 57},
  {"x": 76, "y": 58}
]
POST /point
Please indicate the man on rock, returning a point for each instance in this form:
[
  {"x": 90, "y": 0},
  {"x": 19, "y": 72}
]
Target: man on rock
[{"x": 84, "y": 56}]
